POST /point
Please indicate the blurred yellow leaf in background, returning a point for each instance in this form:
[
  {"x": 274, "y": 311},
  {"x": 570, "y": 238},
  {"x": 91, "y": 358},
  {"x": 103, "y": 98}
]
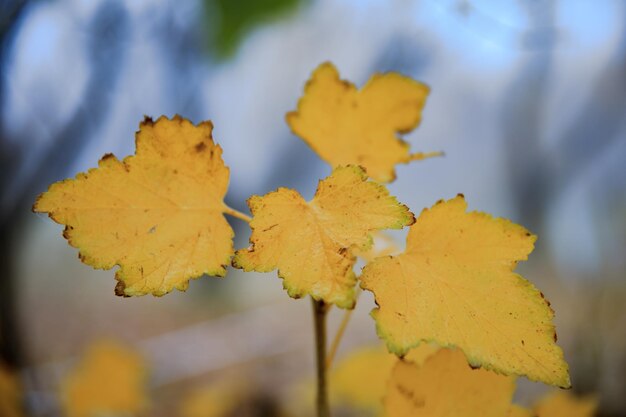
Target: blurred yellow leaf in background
[
  {"x": 217, "y": 400},
  {"x": 310, "y": 243},
  {"x": 518, "y": 411},
  {"x": 157, "y": 214},
  {"x": 109, "y": 379},
  {"x": 446, "y": 386},
  {"x": 454, "y": 285},
  {"x": 10, "y": 394},
  {"x": 360, "y": 379},
  {"x": 349, "y": 126},
  {"x": 566, "y": 404}
]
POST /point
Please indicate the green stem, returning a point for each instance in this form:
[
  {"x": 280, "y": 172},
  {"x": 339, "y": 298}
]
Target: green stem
[{"x": 319, "y": 317}]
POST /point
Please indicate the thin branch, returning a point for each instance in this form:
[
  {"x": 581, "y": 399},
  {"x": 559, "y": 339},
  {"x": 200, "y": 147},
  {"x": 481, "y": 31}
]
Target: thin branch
[
  {"x": 235, "y": 213},
  {"x": 320, "y": 310},
  {"x": 338, "y": 336},
  {"x": 392, "y": 247}
]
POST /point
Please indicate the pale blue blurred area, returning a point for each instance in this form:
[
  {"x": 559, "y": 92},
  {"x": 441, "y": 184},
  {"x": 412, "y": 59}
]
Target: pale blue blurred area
[
  {"x": 469, "y": 52},
  {"x": 528, "y": 103}
]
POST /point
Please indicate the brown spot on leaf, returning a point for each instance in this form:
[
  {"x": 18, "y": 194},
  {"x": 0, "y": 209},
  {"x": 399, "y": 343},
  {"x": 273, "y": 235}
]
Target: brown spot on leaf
[
  {"x": 107, "y": 156},
  {"x": 410, "y": 396},
  {"x": 271, "y": 227},
  {"x": 66, "y": 232},
  {"x": 119, "y": 289},
  {"x": 208, "y": 124},
  {"x": 545, "y": 299}
]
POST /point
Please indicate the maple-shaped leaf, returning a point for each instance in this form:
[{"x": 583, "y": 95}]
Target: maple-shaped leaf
[
  {"x": 454, "y": 285},
  {"x": 566, "y": 404},
  {"x": 446, "y": 386},
  {"x": 310, "y": 242},
  {"x": 109, "y": 380},
  {"x": 157, "y": 214},
  {"x": 360, "y": 127},
  {"x": 10, "y": 394}
]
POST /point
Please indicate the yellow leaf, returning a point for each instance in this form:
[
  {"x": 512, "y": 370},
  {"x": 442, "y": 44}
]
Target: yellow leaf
[
  {"x": 10, "y": 394},
  {"x": 517, "y": 411},
  {"x": 211, "y": 401},
  {"x": 445, "y": 386},
  {"x": 110, "y": 379},
  {"x": 158, "y": 214},
  {"x": 454, "y": 285},
  {"x": 565, "y": 404},
  {"x": 310, "y": 242},
  {"x": 360, "y": 379},
  {"x": 349, "y": 126},
  {"x": 419, "y": 354}
]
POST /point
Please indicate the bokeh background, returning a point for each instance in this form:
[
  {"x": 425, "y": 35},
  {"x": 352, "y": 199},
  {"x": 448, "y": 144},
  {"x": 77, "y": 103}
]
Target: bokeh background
[{"x": 528, "y": 103}]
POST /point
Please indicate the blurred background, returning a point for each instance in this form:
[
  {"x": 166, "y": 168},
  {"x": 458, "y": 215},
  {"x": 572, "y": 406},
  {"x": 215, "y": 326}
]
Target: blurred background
[{"x": 528, "y": 103}]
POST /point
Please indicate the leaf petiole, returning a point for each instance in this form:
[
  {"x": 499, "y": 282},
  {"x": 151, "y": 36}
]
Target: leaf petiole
[
  {"x": 419, "y": 156},
  {"x": 236, "y": 213}
]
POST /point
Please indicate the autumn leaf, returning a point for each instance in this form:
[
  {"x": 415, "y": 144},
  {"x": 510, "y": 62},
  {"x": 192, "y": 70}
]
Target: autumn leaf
[
  {"x": 518, "y": 411},
  {"x": 360, "y": 379},
  {"x": 217, "y": 400},
  {"x": 419, "y": 354},
  {"x": 157, "y": 214},
  {"x": 349, "y": 126},
  {"x": 110, "y": 379},
  {"x": 10, "y": 394},
  {"x": 454, "y": 285},
  {"x": 445, "y": 386},
  {"x": 310, "y": 242},
  {"x": 566, "y": 404}
]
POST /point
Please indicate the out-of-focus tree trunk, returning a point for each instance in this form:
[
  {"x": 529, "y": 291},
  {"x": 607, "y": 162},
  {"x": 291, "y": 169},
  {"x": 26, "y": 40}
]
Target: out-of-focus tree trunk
[
  {"x": 522, "y": 116},
  {"x": 105, "y": 46},
  {"x": 539, "y": 175},
  {"x": 10, "y": 347}
]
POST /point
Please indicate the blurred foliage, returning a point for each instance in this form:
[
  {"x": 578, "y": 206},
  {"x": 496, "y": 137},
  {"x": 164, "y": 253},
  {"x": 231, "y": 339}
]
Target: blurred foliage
[
  {"x": 566, "y": 404},
  {"x": 110, "y": 379},
  {"x": 10, "y": 394},
  {"x": 229, "y": 21},
  {"x": 211, "y": 401}
]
